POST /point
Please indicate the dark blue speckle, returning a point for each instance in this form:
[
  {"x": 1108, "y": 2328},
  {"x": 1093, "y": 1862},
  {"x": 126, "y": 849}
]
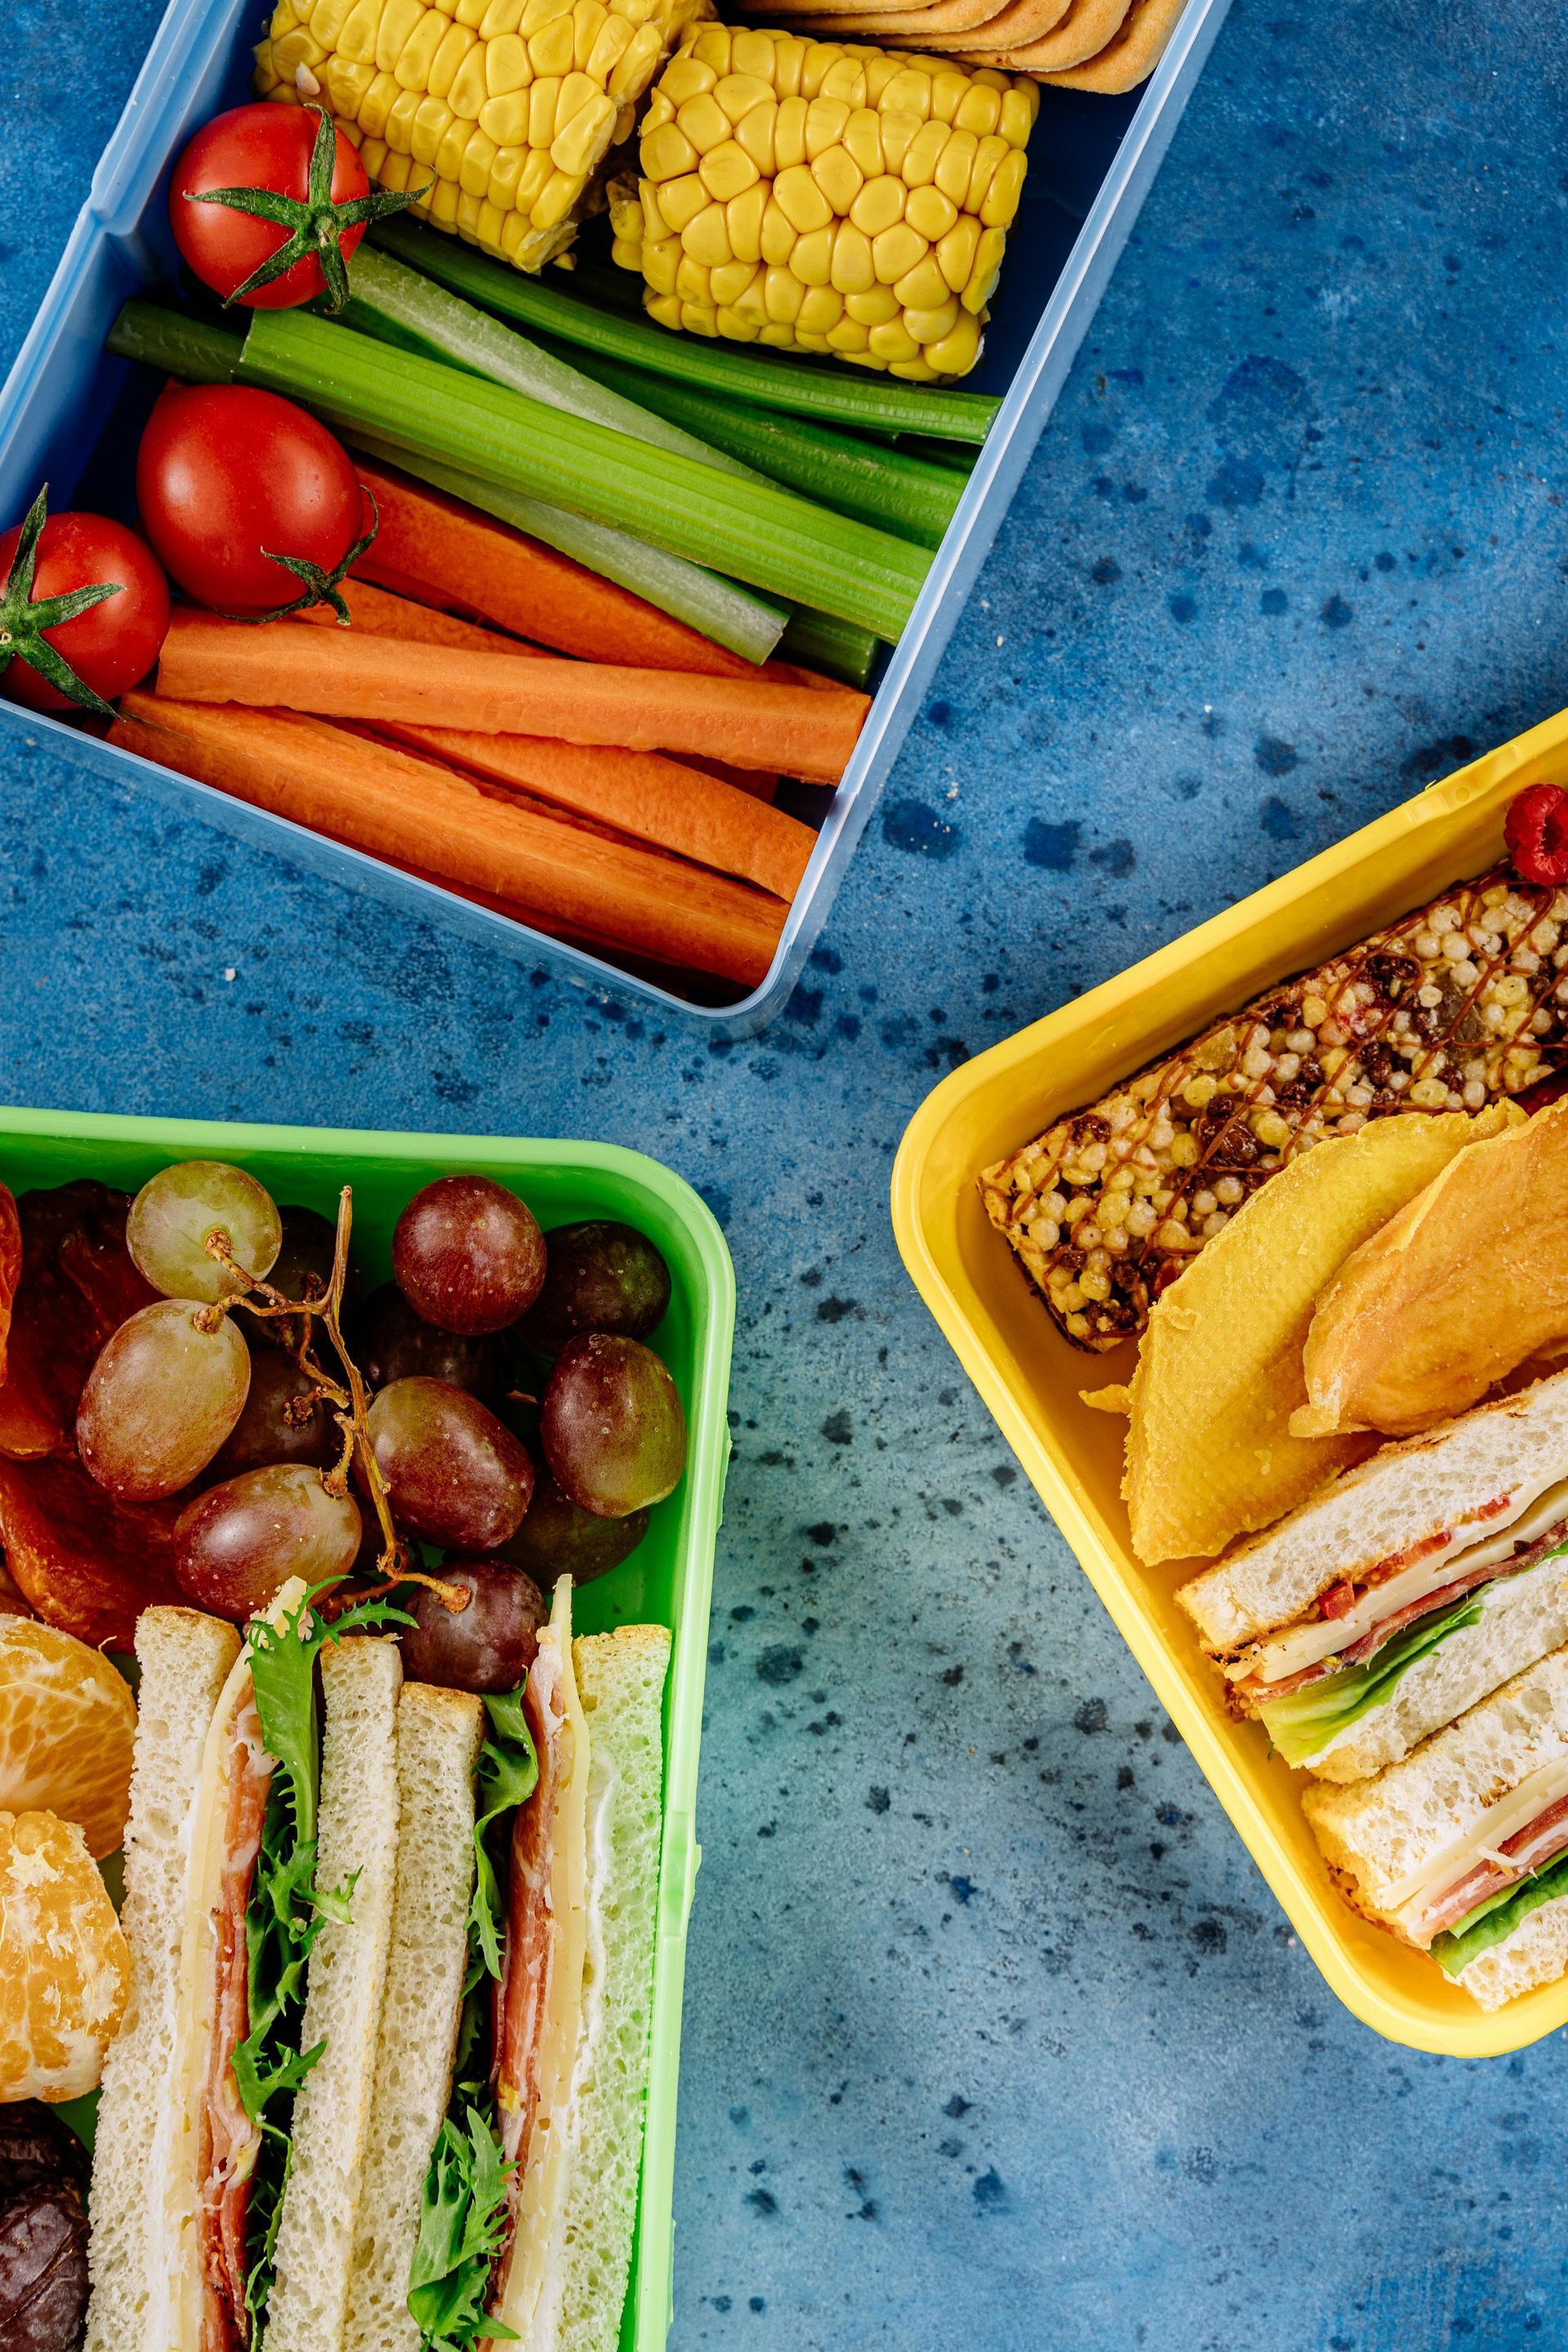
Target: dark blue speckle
[
  {"x": 1054, "y": 846},
  {"x": 917, "y": 827},
  {"x": 1279, "y": 819}
]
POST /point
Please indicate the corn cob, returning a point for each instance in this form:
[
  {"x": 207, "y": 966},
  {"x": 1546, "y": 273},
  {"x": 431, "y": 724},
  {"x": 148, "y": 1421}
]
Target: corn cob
[
  {"x": 1457, "y": 1005},
  {"x": 511, "y": 106},
  {"x": 825, "y": 197}
]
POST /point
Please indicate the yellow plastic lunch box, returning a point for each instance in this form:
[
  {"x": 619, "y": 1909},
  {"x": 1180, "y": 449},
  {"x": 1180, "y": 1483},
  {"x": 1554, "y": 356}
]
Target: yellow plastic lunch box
[{"x": 1030, "y": 1377}]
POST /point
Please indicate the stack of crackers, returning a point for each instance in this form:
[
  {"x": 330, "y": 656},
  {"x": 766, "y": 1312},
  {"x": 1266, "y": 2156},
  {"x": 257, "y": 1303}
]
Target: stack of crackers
[{"x": 1100, "y": 44}]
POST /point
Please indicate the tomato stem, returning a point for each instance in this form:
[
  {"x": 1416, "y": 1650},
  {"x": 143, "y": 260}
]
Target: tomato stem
[
  {"x": 23, "y": 620},
  {"x": 316, "y": 225},
  {"x": 321, "y": 587}
]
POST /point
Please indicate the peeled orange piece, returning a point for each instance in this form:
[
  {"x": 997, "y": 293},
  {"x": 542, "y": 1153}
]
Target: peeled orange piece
[
  {"x": 68, "y": 1725},
  {"x": 65, "y": 1966}
]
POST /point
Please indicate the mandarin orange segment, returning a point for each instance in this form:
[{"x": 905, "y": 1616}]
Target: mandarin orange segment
[
  {"x": 67, "y": 1727},
  {"x": 65, "y": 1966}
]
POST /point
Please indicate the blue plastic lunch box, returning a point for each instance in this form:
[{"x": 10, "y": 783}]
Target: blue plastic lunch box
[{"x": 71, "y": 415}]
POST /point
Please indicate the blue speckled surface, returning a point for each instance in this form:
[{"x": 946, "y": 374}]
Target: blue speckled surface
[{"x": 994, "y": 2039}]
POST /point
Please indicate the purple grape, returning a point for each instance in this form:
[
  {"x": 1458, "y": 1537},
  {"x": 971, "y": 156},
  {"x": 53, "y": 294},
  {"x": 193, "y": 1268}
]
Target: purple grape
[
  {"x": 392, "y": 1342},
  {"x": 266, "y": 1432},
  {"x": 611, "y": 1425},
  {"x": 455, "y": 1473},
  {"x": 486, "y": 1647},
  {"x": 238, "y": 1544},
  {"x": 557, "y": 1538},
  {"x": 469, "y": 1254},
  {"x": 598, "y": 1276}
]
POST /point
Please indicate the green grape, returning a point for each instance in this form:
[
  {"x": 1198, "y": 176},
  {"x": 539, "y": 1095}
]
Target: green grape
[
  {"x": 161, "y": 1398},
  {"x": 238, "y": 1544},
  {"x": 611, "y": 1425},
  {"x": 175, "y": 1210}
]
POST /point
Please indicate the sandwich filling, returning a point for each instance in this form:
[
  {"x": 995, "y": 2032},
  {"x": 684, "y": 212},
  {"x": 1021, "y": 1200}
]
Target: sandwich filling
[
  {"x": 1513, "y": 1840},
  {"x": 1325, "y": 1671}
]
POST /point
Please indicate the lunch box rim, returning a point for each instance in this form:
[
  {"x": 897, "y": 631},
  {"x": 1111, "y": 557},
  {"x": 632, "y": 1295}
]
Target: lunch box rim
[
  {"x": 185, "y": 52},
  {"x": 934, "y": 1198},
  {"x": 611, "y": 1174}
]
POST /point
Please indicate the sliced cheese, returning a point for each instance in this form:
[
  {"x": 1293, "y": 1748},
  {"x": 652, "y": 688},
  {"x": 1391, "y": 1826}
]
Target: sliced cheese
[
  {"x": 1414, "y": 1896},
  {"x": 530, "y": 2301},
  {"x": 178, "y": 2324},
  {"x": 1306, "y": 1645}
]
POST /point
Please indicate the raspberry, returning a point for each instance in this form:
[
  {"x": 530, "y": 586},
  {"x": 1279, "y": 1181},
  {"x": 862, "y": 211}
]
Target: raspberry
[{"x": 1536, "y": 830}]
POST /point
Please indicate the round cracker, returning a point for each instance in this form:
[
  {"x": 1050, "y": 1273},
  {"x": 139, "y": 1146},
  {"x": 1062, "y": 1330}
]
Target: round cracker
[
  {"x": 1083, "y": 32},
  {"x": 1132, "y": 56}
]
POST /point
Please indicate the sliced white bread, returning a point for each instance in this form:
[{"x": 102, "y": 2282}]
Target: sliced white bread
[
  {"x": 1515, "y": 1446},
  {"x": 439, "y": 1734},
  {"x": 358, "y": 1841},
  {"x": 1523, "y": 1618},
  {"x": 620, "y": 1677},
  {"x": 185, "y": 1660},
  {"x": 1536, "y": 1953},
  {"x": 1379, "y": 1834}
]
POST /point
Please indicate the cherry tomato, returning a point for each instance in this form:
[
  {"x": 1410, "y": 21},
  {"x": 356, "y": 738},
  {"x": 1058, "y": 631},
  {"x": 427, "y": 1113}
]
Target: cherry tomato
[
  {"x": 269, "y": 147},
  {"x": 112, "y": 645},
  {"x": 223, "y": 472}
]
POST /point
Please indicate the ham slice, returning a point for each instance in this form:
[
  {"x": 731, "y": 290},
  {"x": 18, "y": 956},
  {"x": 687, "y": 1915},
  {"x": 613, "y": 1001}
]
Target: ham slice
[
  {"x": 1540, "y": 1841},
  {"x": 229, "y": 2142},
  {"x": 522, "y": 1991}
]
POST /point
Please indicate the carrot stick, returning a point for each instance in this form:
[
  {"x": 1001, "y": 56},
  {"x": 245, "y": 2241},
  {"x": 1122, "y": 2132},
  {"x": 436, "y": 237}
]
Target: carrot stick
[
  {"x": 416, "y": 813},
  {"x": 486, "y": 568},
  {"x": 654, "y": 799},
  {"x": 380, "y": 615},
  {"x": 792, "y": 728}
]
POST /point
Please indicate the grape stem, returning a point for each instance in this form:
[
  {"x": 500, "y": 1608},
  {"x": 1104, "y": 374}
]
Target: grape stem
[{"x": 351, "y": 1406}]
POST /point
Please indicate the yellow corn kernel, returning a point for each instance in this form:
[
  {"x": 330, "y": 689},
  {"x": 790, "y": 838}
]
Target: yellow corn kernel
[
  {"x": 980, "y": 109},
  {"x": 956, "y": 353},
  {"x": 826, "y": 119},
  {"x": 681, "y": 200},
  {"x": 753, "y": 53},
  {"x": 845, "y": 79},
  {"x": 327, "y": 20},
  {"x": 443, "y": 202},
  {"x": 789, "y": 134},
  {"x": 955, "y": 253},
  {"x": 754, "y": 134},
  {"x": 691, "y": 281},
  {"x": 707, "y": 238},
  {"x": 874, "y": 308},
  {"x": 448, "y": 160},
  {"x": 848, "y": 336},
  {"x": 779, "y": 235},
  {"x": 735, "y": 326},
  {"x": 896, "y": 252},
  {"x": 930, "y": 325},
  {"x": 500, "y": 17},
  {"x": 781, "y": 338},
  {"x": 891, "y": 340},
  {"x": 782, "y": 293},
  {"x": 738, "y": 93},
  {"x": 665, "y": 309},
  {"x": 798, "y": 195},
  {"x": 988, "y": 155},
  {"x": 743, "y": 218},
  {"x": 376, "y": 105},
  {"x": 506, "y": 172},
  {"x": 356, "y": 41},
  {"x": 399, "y": 130},
  {"x": 417, "y": 54},
  {"x": 822, "y": 309},
  {"x": 455, "y": 43},
  {"x": 343, "y": 87},
  {"x": 507, "y": 121},
  {"x": 1002, "y": 196},
  {"x": 852, "y": 271},
  {"x": 479, "y": 161},
  {"x": 432, "y": 122},
  {"x": 732, "y": 282},
  {"x": 611, "y": 43},
  {"x": 930, "y": 213},
  {"x": 660, "y": 259},
  {"x": 862, "y": 139},
  {"x": 981, "y": 283},
  {"x": 727, "y": 170},
  {"x": 909, "y": 92},
  {"x": 900, "y": 130},
  {"x": 668, "y": 153},
  {"x": 789, "y": 67},
  {"x": 923, "y": 153},
  {"x": 880, "y": 204},
  {"x": 955, "y": 165},
  {"x": 508, "y": 67},
  {"x": 481, "y": 220},
  {"x": 812, "y": 259},
  {"x": 948, "y": 92},
  {"x": 580, "y": 148},
  {"x": 534, "y": 179},
  {"x": 711, "y": 47},
  {"x": 1018, "y": 116},
  {"x": 587, "y": 17},
  {"x": 638, "y": 60},
  {"x": 467, "y": 92},
  {"x": 703, "y": 121},
  {"x": 398, "y": 20}
]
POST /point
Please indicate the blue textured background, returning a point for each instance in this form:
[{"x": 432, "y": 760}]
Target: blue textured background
[{"x": 994, "y": 2039}]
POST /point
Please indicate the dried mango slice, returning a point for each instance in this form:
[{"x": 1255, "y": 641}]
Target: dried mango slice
[
  {"x": 1210, "y": 1453},
  {"x": 1465, "y": 1283},
  {"x": 84, "y": 1561},
  {"x": 77, "y": 1286}
]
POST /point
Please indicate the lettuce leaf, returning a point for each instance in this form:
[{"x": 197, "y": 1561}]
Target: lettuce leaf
[
  {"x": 506, "y": 1777},
  {"x": 462, "y": 2222},
  {"x": 286, "y": 1909},
  {"x": 1495, "y": 1920},
  {"x": 1302, "y": 1725}
]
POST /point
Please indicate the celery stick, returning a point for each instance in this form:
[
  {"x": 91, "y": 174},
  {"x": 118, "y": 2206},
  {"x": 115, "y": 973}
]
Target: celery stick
[
  {"x": 817, "y": 641},
  {"x": 876, "y": 404},
  {"x": 752, "y": 530},
  {"x": 730, "y": 615},
  {"x": 179, "y": 346},
  {"x": 400, "y": 307},
  {"x": 905, "y": 494}
]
